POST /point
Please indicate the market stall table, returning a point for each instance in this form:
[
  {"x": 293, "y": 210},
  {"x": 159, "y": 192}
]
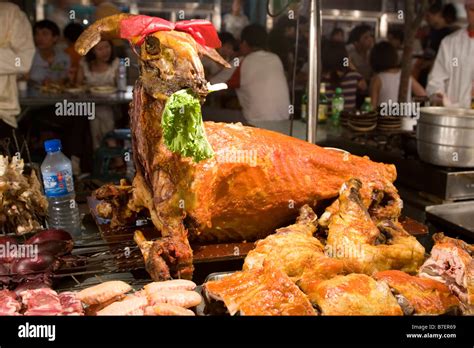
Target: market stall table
[{"x": 34, "y": 98}]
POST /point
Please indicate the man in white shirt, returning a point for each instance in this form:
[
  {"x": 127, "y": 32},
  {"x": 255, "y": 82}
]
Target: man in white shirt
[
  {"x": 260, "y": 80},
  {"x": 16, "y": 54},
  {"x": 451, "y": 81}
]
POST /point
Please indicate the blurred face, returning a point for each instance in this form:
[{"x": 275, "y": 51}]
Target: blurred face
[
  {"x": 470, "y": 15},
  {"x": 103, "y": 51},
  {"x": 338, "y": 37},
  {"x": 245, "y": 48},
  {"x": 226, "y": 51},
  {"x": 237, "y": 7},
  {"x": 366, "y": 41},
  {"x": 434, "y": 20},
  {"x": 44, "y": 39}
]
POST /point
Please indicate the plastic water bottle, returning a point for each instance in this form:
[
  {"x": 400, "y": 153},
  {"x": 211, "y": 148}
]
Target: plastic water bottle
[
  {"x": 337, "y": 108},
  {"x": 122, "y": 76},
  {"x": 63, "y": 212}
]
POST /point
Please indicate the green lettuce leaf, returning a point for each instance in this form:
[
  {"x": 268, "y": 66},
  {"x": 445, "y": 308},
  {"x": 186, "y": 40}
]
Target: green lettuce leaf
[{"x": 183, "y": 128}]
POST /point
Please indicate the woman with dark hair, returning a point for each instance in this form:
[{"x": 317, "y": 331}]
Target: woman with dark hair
[
  {"x": 337, "y": 72},
  {"x": 385, "y": 84},
  {"x": 100, "y": 68}
]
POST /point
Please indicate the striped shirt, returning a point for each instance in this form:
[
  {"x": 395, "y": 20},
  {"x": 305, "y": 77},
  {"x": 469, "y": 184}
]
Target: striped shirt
[{"x": 348, "y": 83}]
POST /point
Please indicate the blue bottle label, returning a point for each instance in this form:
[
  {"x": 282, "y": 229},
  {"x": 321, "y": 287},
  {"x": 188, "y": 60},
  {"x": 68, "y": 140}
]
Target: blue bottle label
[{"x": 58, "y": 184}]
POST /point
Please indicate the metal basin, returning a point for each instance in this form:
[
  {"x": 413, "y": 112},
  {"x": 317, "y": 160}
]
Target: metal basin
[{"x": 445, "y": 136}]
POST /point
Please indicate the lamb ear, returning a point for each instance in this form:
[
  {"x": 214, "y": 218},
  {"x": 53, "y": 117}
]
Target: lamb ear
[
  {"x": 213, "y": 54},
  {"x": 104, "y": 29}
]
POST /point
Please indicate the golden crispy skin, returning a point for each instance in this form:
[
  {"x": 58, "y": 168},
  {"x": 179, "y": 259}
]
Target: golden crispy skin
[
  {"x": 290, "y": 248},
  {"x": 263, "y": 291},
  {"x": 277, "y": 174},
  {"x": 353, "y": 235},
  {"x": 355, "y": 294},
  {"x": 426, "y": 296}
]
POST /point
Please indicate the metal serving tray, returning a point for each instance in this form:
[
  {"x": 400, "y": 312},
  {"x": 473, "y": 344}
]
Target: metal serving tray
[{"x": 456, "y": 217}]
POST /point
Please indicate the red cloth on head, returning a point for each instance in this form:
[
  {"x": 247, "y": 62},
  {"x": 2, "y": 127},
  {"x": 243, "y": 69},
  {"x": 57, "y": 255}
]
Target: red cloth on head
[{"x": 138, "y": 27}]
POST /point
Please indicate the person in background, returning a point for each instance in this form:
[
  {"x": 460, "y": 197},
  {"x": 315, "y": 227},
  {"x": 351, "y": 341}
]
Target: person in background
[
  {"x": 16, "y": 55},
  {"x": 71, "y": 33},
  {"x": 281, "y": 41},
  {"x": 100, "y": 68},
  {"x": 228, "y": 51},
  {"x": 50, "y": 65},
  {"x": 236, "y": 21},
  {"x": 385, "y": 83},
  {"x": 439, "y": 27},
  {"x": 452, "y": 84},
  {"x": 60, "y": 14},
  {"x": 361, "y": 41},
  {"x": 259, "y": 80},
  {"x": 336, "y": 73},
  {"x": 396, "y": 38},
  {"x": 337, "y": 35},
  {"x": 450, "y": 14}
]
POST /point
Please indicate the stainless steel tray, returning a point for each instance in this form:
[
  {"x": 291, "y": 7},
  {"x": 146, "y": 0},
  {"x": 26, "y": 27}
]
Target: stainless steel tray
[
  {"x": 456, "y": 217},
  {"x": 211, "y": 306}
]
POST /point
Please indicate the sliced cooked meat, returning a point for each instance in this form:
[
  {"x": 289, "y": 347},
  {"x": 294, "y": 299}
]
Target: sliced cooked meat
[{"x": 451, "y": 263}]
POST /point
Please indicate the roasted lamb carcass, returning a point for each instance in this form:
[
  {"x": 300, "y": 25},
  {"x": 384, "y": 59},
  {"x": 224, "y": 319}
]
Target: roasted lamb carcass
[
  {"x": 451, "y": 262},
  {"x": 218, "y": 199}
]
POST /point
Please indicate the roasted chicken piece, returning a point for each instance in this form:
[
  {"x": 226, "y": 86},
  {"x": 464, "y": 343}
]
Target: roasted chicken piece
[
  {"x": 353, "y": 235},
  {"x": 451, "y": 262},
  {"x": 419, "y": 296},
  {"x": 290, "y": 248},
  {"x": 220, "y": 199},
  {"x": 264, "y": 291},
  {"x": 355, "y": 294}
]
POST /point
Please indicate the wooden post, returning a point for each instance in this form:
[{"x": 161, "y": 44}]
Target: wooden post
[{"x": 413, "y": 19}]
